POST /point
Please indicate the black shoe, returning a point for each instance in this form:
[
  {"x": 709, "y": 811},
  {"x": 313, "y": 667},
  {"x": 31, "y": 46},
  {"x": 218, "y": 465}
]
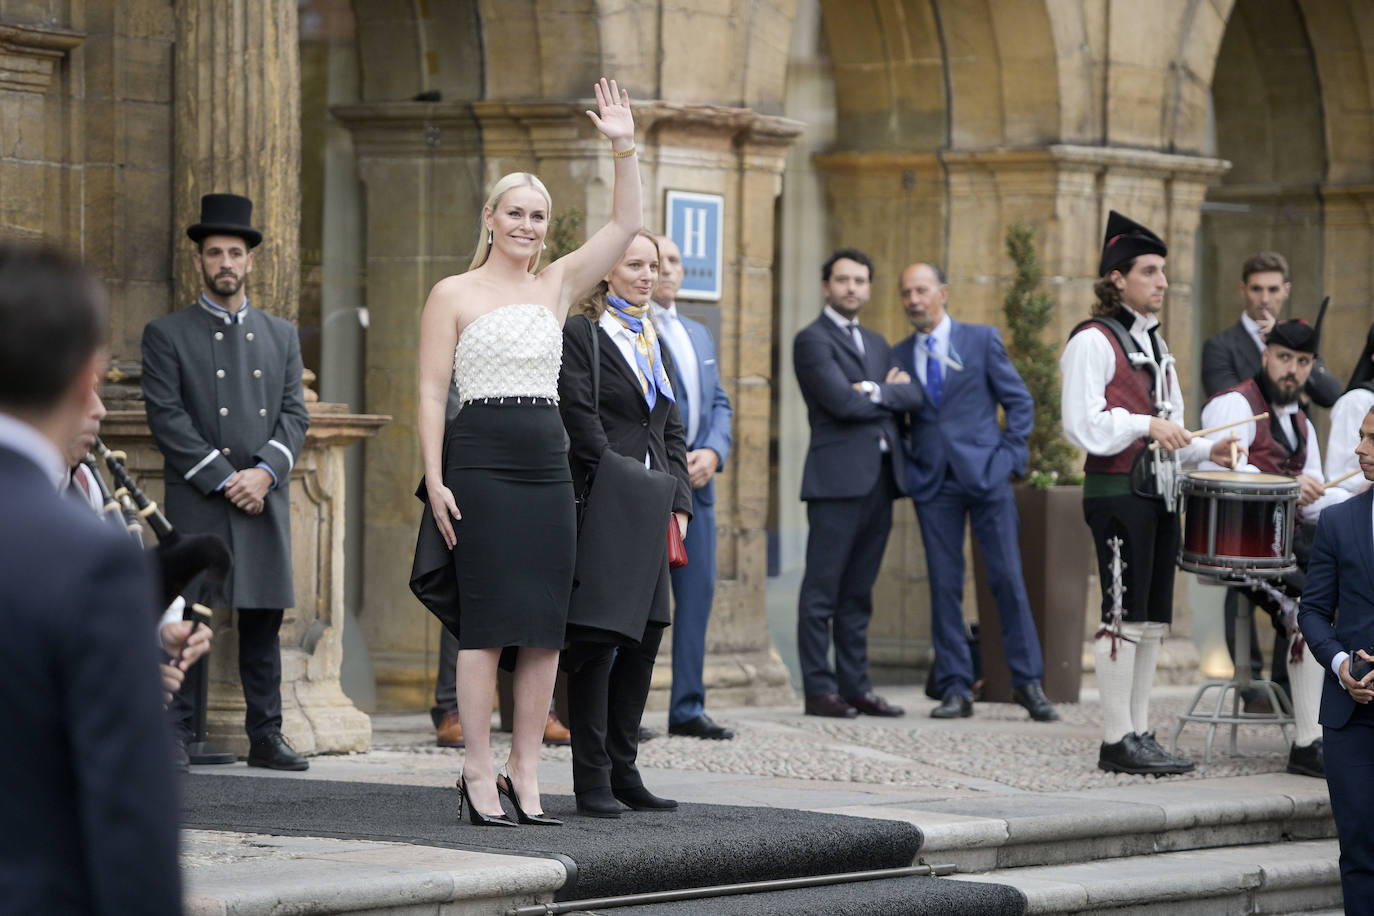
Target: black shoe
[
  {"x": 831, "y": 705},
  {"x": 274, "y": 753},
  {"x": 1151, "y": 745},
  {"x": 641, "y": 799},
  {"x": 1032, "y": 697},
  {"x": 181, "y": 760},
  {"x": 646, "y": 734},
  {"x": 598, "y": 803},
  {"x": 506, "y": 787},
  {"x": 1307, "y": 761},
  {"x": 953, "y": 706},
  {"x": 870, "y": 704},
  {"x": 703, "y": 726},
  {"x": 1255, "y": 702},
  {"x": 475, "y": 817},
  {"x": 1129, "y": 755}
]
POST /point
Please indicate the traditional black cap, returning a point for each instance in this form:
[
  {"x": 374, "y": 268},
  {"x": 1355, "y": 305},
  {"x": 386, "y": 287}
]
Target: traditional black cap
[
  {"x": 225, "y": 214},
  {"x": 1126, "y": 239},
  {"x": 1295, "y": 334}
]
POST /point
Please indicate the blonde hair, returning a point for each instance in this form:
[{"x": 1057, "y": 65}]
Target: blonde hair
[
  {"x": 594, "y": 303},
  {"x": 498, "y": 190}
]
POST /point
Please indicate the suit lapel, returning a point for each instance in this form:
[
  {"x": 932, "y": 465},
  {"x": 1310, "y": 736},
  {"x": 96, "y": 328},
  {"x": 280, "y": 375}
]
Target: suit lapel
[
  {"x": 611, "y": 353},
  {"x": 1363, "y": 532},
  {"x": 845, "y": 343}
]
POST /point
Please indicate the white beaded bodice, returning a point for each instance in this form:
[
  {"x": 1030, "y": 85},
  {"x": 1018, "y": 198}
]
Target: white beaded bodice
[{"x": 511, "y": 351}]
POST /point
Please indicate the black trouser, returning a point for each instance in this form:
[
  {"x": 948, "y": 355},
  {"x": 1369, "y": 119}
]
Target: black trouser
[
  {"x": 1149, "y": 547},
  {"x": 259, "y": 670},
  {"x": 607, "y": 689},
  {"x": 446, "y": 679}
]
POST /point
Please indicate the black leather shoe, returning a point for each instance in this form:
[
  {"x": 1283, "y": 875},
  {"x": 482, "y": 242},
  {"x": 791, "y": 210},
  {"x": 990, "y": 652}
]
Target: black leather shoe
[
  {"x": 830, "y": 704},
  {"x": 703, "y": 726},
  {"x": 870, "y": 704},
  {"x": 953, "y": 706},
  {"x": 646, "y": 734},
  {"x": 181, "y": 760},
  {"x": 274, "y": 753},
  {"x": 1256, "y": 702},
  {"x": 1307, "y": 761},
  {"x": 641, "y": 799},
  {"x": 598, "y": 803},
  {"x": 1032, "y": 697},
  {"x": 1130, "y": 755},
  {"x": 1151, "y": 745}
]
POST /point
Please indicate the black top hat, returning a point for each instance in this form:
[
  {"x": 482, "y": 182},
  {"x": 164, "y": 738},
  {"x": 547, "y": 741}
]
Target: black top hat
[
  {"x": 1126, "y": 239},
  {"x": 1295, "y": 334},
  {"x": 225, "y": 214}
]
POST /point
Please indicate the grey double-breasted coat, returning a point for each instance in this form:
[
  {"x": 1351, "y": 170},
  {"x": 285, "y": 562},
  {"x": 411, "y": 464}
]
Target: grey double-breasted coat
[{"x": 223, "y": 396}]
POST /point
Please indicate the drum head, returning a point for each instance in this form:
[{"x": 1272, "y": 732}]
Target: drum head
[{"x": 1241, "y": 478}]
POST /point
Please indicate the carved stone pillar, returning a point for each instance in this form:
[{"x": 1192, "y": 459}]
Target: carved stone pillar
[
  {"x": 238, "y": 130},
  {"x": 317, "y": 717},
  {"x": 1347, "y": 271}
]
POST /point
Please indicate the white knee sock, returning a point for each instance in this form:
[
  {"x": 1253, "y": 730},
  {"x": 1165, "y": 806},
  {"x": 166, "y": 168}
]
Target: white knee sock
[
  {"x": 1114, "y": 677},
  {"x": 1146, "y": 660},
  {"x": 1305, "y": 681}
]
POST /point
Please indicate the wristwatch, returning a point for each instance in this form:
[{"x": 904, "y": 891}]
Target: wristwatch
[{"x": 870, "y": 388}]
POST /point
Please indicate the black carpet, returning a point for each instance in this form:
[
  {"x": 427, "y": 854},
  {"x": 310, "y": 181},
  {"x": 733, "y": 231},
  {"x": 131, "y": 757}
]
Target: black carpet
[
  {"x": 892, "y": 897},
  {"x": 694, "y": 846}
]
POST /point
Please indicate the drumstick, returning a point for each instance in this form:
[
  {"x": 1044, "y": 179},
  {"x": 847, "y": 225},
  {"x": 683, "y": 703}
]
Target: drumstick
[
  {"x": 1235, "y": 453},
  {"x": 1216, "y": 429},
  {"x": 1339, "y": 480}
]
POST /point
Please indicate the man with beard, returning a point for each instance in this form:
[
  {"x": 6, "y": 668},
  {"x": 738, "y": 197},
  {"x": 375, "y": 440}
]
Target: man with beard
[
  {"x": 854, "y": 395},
  {"x": 1285, "y": 444},
  {"x": 222, "y": 382}
]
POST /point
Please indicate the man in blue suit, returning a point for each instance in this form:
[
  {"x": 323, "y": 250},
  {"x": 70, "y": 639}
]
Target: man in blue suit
[
  {"x": 959, "y": 467},
  {"x": 1337, "y": 619},
  {"x": 706, "y": 416},
  {"x": 854, "y": 396},
  {"x": 88, "y": 815}
]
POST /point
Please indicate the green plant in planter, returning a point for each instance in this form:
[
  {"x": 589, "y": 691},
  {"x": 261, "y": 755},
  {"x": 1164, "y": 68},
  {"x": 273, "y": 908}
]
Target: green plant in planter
[{"x": 1029, "y": 310}]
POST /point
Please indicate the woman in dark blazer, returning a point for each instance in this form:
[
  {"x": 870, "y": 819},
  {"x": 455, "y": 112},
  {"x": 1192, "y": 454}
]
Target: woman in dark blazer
[{"x": 628, "y": 457}]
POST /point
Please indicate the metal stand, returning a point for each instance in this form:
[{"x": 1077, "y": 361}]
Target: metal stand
[
  {"x": 1239, "y": 683},
  {"x": 197, "y": 749}
]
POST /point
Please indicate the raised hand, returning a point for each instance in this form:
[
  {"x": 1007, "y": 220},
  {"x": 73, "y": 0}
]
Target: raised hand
[{"x": 613, "y": 117}]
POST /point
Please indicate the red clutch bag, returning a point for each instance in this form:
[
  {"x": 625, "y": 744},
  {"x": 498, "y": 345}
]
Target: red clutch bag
[{"x": 677, "y": 552}]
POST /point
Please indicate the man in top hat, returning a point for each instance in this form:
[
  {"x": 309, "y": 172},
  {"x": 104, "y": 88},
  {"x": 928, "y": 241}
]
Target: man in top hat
[
  {"x": 1285, "y": 444},
  {"x": 222, "y": 382},
  {"x": 1110, "y": 368}
]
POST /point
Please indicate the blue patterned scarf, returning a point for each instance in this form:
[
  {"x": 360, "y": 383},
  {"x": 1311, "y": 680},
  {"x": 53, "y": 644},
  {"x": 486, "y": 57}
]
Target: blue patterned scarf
[{"x": 648, "y": 357}]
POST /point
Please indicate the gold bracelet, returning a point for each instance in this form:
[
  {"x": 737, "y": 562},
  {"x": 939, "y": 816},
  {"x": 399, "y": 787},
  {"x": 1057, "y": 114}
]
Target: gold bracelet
[{"x": 623, "y": 153}]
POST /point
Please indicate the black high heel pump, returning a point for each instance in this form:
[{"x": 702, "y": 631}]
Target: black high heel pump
[
  {"x": 475, "y": 817},
  {"x": 506, "y": 787}
]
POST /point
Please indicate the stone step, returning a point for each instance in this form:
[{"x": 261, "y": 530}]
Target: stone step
[
  {"x": 1273, "y": 878},
  {"x": 1144, "y": 819}
]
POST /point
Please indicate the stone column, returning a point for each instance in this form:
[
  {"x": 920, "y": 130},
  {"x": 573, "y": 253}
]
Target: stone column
[
  {"x": 238, "y": 130},
  {"x": 1347, "y": 270},
  {"x": 420, "y": 166}
]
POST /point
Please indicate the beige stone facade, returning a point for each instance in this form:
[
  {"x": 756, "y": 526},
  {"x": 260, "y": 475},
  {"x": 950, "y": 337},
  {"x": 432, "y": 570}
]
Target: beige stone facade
[{"x": 367, "y": 131}]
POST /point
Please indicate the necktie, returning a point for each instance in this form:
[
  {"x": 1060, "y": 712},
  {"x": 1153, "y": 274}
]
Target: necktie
[
  {"x": 858, "y": 338},
  {"x": 935, "y": 373}
]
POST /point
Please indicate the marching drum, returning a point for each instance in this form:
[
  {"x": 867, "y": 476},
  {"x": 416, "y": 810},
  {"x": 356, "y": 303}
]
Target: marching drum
[{"x": 1238, "y": 525}]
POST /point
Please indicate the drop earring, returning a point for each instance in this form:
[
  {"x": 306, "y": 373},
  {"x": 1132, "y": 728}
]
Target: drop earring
[
  {"x": 544, "y": 246},
  {"x": 490, "y": 238}
]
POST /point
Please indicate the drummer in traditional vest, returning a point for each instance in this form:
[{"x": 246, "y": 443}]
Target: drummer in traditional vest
[
  {"x": 1285, "y": 444},
  {"x": 1121, "y": 392}
]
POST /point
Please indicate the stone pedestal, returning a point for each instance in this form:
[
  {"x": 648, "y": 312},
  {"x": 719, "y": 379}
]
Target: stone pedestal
[{"x": 317, "y": 718}]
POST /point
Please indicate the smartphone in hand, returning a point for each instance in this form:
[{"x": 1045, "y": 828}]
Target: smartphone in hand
[{"x": 1359, "y": 667}]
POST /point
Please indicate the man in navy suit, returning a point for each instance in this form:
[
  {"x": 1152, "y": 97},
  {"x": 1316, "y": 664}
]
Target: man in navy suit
[
  {"x": 706, "y": 415},
  {"x": 1337, "y": 619},
  {"x": 88, "y": 817},
  {"x": 959, "y": 466},
  {"x": 854, "y": 395}
]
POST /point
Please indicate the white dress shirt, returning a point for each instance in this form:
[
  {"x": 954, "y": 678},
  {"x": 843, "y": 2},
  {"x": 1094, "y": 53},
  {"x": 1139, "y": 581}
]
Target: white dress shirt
[
  {"x": 940, "y": 333},
  {"x": 1088, "y": 364},
  {"x": 1346, "y": 416},
  {"x": 33, "y": 445},
  {"x": 672, "y": 332},
  {"x": 1232, "y": 406},
  {"x": 1253, "y": 327}
]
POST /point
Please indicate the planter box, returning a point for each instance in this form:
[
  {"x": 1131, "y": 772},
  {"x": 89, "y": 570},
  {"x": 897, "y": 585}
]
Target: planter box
[{"x": 1056, "y": 559}]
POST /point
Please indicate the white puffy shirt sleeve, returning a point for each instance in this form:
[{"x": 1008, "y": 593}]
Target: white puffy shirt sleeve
[
  {"x": 1346, "y": 417},
  {"x": 1088, "y": 364}
]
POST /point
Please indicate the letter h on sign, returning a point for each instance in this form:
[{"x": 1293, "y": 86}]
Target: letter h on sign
[{"x": 695, "y": 222}]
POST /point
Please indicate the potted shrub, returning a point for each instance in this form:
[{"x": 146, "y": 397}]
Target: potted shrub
[{"x": 1056, "y": 548}]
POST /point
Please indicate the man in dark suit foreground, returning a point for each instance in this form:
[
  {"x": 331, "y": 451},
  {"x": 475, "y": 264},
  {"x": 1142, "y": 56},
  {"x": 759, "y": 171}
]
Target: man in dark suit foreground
[
  {"x": 1337, "y": 619},
  {"x": 959, "y": 467},
  {"x": 854, "y": 394},
  {"x": 87, "y": 818}
]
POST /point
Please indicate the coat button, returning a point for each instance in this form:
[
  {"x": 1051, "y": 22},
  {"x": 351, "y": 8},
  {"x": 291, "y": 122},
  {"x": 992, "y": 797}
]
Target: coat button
[
  {"x": 219, "y": 373},
  {"x": 224, "y": 411},
  {"x": 262, "y": 411},
  {"x": 219, "y": 335},
  {"x": 224, "y": 451},
  {"x": 257, "y": 373},
  {"x": 249, "y": 335},
  {"x": 643, "y": 422}
]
